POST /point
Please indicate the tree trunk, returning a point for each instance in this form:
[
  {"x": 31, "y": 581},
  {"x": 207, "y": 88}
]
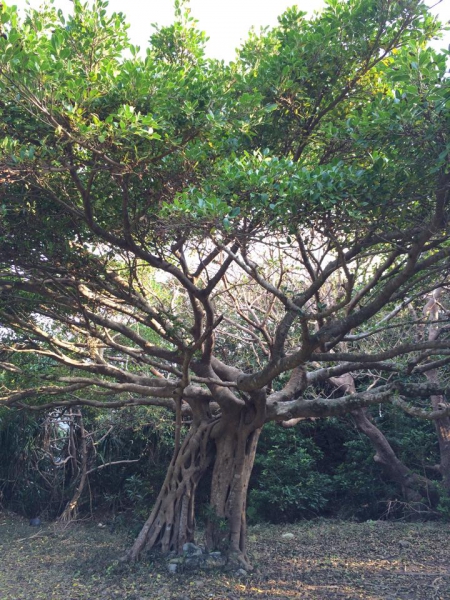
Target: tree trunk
[
  {"x": 415, "y": 488},
  {"x": 442, "y": 426},
  {"x": 227, "y": 525},
  {"x": 432, "y": 309},
  {"x": 171, "y": 523},
  {"x": 443, "y": 433},
  {"x": 70, "y": 512}
]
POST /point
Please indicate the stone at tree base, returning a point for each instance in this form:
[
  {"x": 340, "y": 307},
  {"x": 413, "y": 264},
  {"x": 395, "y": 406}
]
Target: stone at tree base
[
  {"x": 177, "y": 560},
  {"x": 193, "y": 557},
  {"x": 213, "y": 560},
  {"x": 192, "y": 550},
  {"x": 193, "y": 561}
]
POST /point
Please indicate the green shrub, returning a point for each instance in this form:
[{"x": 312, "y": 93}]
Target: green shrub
[
  {"x": 358, "y": 483},
  {"x": 286, "y": 484}
]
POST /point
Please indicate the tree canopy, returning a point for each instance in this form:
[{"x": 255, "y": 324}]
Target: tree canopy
[{"x": 227, "y": 241}]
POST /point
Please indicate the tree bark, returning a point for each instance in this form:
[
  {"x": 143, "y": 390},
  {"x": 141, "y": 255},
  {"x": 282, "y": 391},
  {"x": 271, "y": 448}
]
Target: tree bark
[
  {"x": 432, "y": 309},
  {"x": 70, "y": 512},
  {"x": 171, "y": 523},
  {"x": 227, "y": 525},
  {"x": 415, "y": 488},
  {"x": 442, "y": 426}
]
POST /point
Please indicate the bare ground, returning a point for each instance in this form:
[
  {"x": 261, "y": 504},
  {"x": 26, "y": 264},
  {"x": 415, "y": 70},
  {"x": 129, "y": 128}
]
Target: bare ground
[{"x": 326, "y": 560}]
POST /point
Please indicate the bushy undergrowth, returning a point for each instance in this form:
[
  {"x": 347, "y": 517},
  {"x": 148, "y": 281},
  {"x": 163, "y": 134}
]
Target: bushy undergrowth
[
  {"x": 318, "y": 468},
  {"x": 38, "y": 475},
  {"x": 326, "y": 468},
  {"x": 287, "y": 483}
]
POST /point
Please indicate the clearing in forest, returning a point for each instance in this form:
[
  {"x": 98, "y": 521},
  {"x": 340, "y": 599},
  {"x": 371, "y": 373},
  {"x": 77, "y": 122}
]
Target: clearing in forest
[{"x": 325, "y": 560}]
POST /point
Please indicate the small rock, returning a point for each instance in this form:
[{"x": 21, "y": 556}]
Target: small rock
[
  {"x": 213, "y": 560},
  {"x": 288, "y": 536},
  {"x": 192, "y": 550},
  {"x": 404, "y": 544},
  {"x": 172, "y": 568},
  {"x": 35, "y": 522},
  {"x": 192, "y": 562},
  {"x": 241, "y": 573}
]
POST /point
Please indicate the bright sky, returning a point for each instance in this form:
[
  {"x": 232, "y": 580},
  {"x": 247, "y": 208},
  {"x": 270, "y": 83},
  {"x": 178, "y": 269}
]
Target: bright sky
[{"x": 225, "y": 22}]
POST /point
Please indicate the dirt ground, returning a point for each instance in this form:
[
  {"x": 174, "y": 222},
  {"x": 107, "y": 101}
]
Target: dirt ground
[{"x": 325, "y": 560}]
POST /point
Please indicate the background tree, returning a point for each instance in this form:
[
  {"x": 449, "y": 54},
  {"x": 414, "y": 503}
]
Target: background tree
[{"x": 305, "y": 185}]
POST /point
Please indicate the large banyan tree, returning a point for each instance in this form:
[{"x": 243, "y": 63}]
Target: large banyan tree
[{"x": 260, "y": 241}]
